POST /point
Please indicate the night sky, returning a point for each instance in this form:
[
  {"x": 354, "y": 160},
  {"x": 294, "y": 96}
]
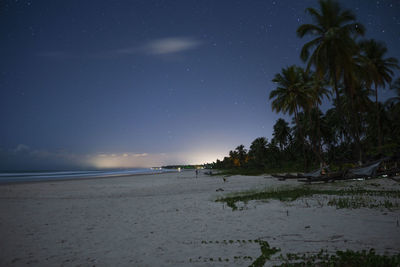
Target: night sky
[{"x": 145, "y": 83}]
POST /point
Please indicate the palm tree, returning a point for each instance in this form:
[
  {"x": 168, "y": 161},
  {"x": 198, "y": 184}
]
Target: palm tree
[
  {"x": 258, "y": 151},
  {"x": 393, "y": 107},
  {"x": 281, "y": 133},
  {"x": 291, "y": 95},
  {"x": 334, "y": 45},
  {"x": 242, "y": 154},
  {"x": 378, "y": 71},
  {"x": 318, "y": 92},
  {"x": 234, "y": 158},
  {"x": 395, "y": 86}
]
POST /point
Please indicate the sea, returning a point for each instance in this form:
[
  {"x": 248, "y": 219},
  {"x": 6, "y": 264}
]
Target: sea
[{"x": 35, "y": 176}]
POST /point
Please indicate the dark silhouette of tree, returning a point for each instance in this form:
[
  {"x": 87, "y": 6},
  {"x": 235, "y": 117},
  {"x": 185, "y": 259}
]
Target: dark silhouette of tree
[
  {"x": 378, "y": 71},
  {"x": 242, "y": 154},
  {"x": 291, "y": 95},
  {"x": 258, "y": 152},
  {"x": 393, "y": 107},
  {"x": 281, "y": 133},
  {"x": 355, "y": 126},
  {"x": 333, "y": 45},
  {"x": 318, "y": 93}
]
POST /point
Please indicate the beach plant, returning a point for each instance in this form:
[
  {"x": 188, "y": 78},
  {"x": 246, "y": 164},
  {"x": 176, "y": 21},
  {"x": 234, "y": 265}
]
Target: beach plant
[
  {"x": 266, "y": 253},
  {"x": 356, "y": 202},
  {"x": 291, "y": 194}
]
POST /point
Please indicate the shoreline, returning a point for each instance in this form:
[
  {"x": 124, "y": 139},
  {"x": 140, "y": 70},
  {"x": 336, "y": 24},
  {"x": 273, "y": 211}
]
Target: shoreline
[{"x": 80, "y": 178}]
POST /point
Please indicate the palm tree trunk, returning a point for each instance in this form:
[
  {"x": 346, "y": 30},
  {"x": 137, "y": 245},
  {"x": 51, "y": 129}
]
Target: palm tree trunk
[
  {"x": 335, "y": 87},
  {"x": 302, "y": 139},
  {"x": 353, "y": 116},
  {"x": 378, "y": 121},
  {"x": 321, "y": 160},
  {"x": 356, "y": 133},
  {"x": 316, "y": 139}
]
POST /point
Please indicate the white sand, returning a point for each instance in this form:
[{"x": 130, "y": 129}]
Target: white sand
[{"x": 161, "y": 220}]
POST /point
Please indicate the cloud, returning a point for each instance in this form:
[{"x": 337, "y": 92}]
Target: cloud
[
  {"x": 171, "y": 45},
  {"x": 21, "y": 148},
  {"x": 164, "y": 46}
]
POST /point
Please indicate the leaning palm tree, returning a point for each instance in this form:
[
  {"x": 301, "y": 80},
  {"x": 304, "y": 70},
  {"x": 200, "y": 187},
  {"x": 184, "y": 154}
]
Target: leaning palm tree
[
  {"x": 334, "y": 46},
  {"x": 291, "y": 95},
  {"x": 378, "y": 71}
]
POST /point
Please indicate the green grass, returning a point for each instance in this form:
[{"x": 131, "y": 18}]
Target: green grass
[
  {"x": 323, "y": 258},
  {"x": 266, "y": 253},
  {"x": 291, "y": 194},
  {"x": 341, "y": 258},
  {"x": 356, "y": 202}
]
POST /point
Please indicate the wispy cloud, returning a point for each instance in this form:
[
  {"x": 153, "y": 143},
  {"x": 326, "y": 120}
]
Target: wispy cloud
[
  {"x": 171, "y": 45},
  {"x": 164, "y": 46},
  {"x": 21, "y": 148},
  {"x": 155, "y": 47}
]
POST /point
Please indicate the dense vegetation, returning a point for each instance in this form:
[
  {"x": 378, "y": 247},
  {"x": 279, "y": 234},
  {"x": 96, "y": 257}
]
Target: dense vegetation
[
  {"x": 190, "y": 167},
  {"x": 341, "y": 67}
]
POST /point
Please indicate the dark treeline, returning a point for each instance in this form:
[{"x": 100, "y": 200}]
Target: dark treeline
[
  {"x": 182, "y": 166},
  {"x": 343, "y": 67}
]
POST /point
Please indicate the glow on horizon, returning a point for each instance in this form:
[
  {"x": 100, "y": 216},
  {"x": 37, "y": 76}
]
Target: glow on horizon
[
  {"x": 123, "y": 160},
  {"x": 134, "y": 160},
  {"x": 24, "y": 157}
]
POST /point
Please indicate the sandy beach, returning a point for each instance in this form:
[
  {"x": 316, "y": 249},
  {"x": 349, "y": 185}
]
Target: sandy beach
[{"x": 172, "y": 219}]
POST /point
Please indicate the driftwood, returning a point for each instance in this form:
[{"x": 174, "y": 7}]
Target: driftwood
[
  {"x": 328, "y": 177},
  {"x": 285, "y": 176}
]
